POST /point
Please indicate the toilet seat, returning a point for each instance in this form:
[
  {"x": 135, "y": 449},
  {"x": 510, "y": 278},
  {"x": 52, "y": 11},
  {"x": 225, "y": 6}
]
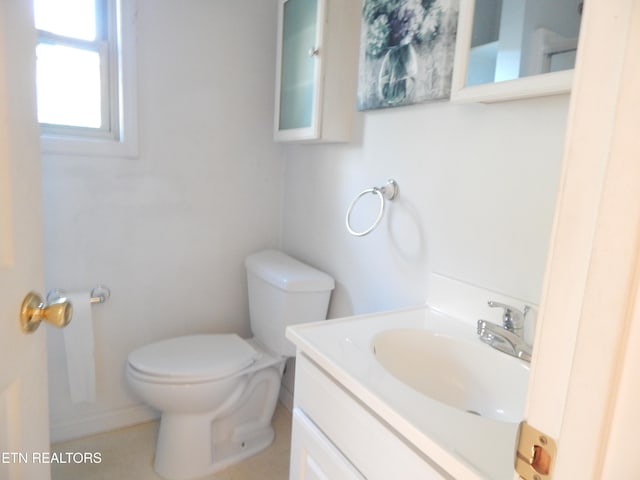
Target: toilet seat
[{"x": 193, "y": 358}]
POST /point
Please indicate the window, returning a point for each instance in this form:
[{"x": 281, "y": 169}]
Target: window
[{"x": 84, "y": 76}]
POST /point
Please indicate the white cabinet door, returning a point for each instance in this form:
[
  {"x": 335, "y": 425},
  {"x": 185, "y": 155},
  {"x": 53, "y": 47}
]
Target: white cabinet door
[
  {"x": 313, "y": 456},
  {"x": 301, "y": 53},
  {"x": 24, "y": 424}
]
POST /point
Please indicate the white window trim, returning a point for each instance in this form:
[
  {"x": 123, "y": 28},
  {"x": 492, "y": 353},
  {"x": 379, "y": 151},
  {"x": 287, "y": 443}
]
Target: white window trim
[{"x": 126, "y": 145}]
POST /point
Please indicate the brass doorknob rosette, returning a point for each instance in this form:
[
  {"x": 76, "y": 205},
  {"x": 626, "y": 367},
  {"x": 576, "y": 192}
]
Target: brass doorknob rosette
[{"x": 34, "y": 310}]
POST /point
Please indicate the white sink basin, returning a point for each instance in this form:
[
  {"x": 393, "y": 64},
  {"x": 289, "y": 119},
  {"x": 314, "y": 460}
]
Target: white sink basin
[{"x": 471, "y": 377}]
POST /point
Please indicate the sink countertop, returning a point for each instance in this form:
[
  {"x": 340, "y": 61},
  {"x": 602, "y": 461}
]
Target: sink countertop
[{"x": 466, "y": 446}]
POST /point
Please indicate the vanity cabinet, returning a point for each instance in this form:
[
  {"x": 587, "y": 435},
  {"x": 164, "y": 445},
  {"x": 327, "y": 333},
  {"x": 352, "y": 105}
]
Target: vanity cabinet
[
  {"x": 335, "y": 436},
  {"x": 317, "y": 69},
  {"x": 314, "y": 456}
]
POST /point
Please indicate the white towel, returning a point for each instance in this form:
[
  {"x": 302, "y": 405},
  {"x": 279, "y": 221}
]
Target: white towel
[{"x": 79, "y": 346}]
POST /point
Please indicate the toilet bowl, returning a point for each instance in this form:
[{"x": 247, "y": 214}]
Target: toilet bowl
[
  {"x": 217, "y": 392},
  {"x": 209, "y": 417}
]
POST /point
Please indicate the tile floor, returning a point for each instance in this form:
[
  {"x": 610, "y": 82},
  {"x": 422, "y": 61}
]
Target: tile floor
[{"x": 127, "y": 455}]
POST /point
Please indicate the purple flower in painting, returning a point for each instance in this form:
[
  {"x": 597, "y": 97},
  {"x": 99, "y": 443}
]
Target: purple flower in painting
[
  {"x": 391, "y": 23},
  {"x": 405, "y": 22}
]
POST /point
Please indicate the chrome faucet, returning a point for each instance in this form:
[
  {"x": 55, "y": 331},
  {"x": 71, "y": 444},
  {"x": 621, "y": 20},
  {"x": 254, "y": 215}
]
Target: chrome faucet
[
  {"x": 508, "y": 338},
  {"x": 512, "y": 318}
]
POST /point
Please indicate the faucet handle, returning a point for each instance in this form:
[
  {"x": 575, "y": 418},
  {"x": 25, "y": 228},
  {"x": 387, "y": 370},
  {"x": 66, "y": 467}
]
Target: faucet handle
[{"x": 512, "y": 318}]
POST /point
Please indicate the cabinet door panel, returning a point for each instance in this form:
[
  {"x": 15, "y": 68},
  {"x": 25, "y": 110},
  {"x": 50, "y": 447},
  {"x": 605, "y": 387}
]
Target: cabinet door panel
[
  {"x": 314, "y": 457},
  {"x": 299, "y": 63}
]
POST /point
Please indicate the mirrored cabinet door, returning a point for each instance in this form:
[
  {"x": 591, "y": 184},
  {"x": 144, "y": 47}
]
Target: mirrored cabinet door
[{"x": 509, "y": 49}]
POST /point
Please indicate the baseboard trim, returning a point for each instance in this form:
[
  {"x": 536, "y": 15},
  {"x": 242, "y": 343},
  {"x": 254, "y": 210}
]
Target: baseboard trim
[
  {"x": 61, "y": 431},
  {"x": 103, "y": 422}
]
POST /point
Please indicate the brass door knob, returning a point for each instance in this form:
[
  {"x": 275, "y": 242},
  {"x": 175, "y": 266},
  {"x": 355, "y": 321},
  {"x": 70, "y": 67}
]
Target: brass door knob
[{"x": 34, "y": 310}]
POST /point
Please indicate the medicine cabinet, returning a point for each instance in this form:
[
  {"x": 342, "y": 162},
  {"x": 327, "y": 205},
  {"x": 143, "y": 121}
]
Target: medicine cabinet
[{"x": 317, "y": 69}]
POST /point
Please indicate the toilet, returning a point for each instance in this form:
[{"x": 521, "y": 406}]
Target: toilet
[{"x": 217, "y": 392}]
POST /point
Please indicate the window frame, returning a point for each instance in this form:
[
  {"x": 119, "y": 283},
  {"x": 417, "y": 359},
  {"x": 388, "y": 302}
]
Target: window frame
[{"x": 118, "y": 135}]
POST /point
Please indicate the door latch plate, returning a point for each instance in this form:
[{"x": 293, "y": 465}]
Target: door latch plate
[{"x": 535, "y": 453}]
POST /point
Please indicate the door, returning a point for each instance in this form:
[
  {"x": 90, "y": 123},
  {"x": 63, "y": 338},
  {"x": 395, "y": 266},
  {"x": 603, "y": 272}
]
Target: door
[
  {"x": 583, "y": 390},
  {"x": 299, "y": 69},
  {"x": 24, "y": 424}
]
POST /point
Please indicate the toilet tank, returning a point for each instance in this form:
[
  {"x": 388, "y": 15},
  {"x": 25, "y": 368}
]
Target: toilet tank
[{"x": 284, "y": 291}]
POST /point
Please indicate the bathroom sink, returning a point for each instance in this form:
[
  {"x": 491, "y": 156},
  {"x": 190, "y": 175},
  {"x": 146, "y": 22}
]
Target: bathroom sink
[{"x": 468, "y": 376}]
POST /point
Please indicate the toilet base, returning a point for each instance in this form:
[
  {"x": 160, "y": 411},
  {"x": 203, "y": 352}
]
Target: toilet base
[
  {"x": 194, "y": 445},
  {"x": 194, "y": 459}
]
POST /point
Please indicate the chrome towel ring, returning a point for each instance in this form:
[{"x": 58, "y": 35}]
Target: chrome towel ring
[{"x": 387, "y": 192}]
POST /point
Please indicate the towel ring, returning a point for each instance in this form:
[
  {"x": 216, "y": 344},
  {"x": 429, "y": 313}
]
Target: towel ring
[{"x": 387, "y": 192}]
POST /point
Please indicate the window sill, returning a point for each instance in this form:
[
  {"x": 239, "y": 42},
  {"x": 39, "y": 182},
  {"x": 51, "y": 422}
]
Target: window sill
[{"x": 98, "y": 147}]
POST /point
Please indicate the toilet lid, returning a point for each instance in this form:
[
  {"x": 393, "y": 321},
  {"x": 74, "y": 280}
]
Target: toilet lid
[{"x": 196, "y": 357}]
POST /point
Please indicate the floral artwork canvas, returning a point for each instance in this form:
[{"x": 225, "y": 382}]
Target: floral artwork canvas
[{"x": 406, "y": 52}]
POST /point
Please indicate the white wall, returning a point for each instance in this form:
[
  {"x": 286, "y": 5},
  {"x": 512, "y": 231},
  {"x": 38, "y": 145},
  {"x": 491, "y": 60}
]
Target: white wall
[
  {"x": 168, "y": 231},
  {"x": 477, "y": 194}
]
